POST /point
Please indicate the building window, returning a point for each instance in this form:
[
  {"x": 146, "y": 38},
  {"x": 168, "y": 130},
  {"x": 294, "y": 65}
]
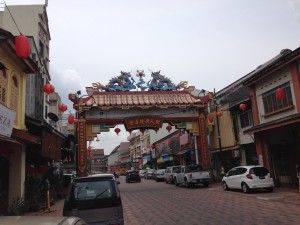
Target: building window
[
  {"x": 14, "y": 97},
  {"x": 246, "y": 119},
  {"x": 42, "y": 49},
  {"x": 271, "y": 104},
  {"x": 3, "y": 86},
  {"x": 46, "y": 111}
]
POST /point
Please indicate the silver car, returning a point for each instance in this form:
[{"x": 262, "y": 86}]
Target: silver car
[
  {"x": 149, "y": 174},
  {"x": 96, "y": 199},
  {"x": 40, "y": 220},
  {"x": 160, "y": 175},
  {"x": 248, "y": 178}
]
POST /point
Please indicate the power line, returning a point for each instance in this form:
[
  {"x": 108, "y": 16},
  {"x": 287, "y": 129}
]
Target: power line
[{"x": 12, "y": 17}]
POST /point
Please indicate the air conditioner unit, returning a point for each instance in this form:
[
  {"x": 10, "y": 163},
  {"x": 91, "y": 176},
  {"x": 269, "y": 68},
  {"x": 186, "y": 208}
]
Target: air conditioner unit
[{"x": 235, "y": 153}]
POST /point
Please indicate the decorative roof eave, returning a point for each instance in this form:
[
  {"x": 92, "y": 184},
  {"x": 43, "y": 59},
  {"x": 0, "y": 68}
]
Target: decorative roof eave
[
  {"x": 279, "y": 61},
  {"x": 140, "y": 99}
]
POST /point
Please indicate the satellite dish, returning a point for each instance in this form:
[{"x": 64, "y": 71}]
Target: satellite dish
[{"x": 53, "y": 117}]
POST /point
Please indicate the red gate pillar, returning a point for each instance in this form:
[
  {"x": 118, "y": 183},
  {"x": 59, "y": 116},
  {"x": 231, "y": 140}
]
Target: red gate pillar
[
  {"x": 202, "y": 140},
  {"x": 82, "y": 149}
]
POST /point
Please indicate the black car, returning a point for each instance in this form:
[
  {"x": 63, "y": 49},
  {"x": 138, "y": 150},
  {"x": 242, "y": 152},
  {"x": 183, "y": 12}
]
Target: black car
[
  {"x": 133, "y": 175},
  {"x": 96, "y": 199}
]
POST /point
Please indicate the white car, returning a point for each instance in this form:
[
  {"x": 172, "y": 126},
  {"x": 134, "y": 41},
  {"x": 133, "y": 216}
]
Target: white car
[
  {"x": 142, "y": 173},
  {"x": 160, "y": 174},
  {"x": 248, "y": 178}
]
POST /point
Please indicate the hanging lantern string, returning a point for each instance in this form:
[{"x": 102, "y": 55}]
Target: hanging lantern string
[{"x": 12, "y": 17}]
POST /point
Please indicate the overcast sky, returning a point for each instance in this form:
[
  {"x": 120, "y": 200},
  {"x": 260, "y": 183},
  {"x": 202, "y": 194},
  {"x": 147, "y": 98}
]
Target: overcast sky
[{"x": 209, "y": 43}]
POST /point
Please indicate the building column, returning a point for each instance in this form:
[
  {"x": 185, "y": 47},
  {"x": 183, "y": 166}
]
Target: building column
[{"x": 16, "y": 173}]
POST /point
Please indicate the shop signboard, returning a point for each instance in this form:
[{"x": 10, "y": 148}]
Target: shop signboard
[{"x": 7, "y": 119}]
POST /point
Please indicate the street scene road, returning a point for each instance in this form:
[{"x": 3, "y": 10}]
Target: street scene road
[{"x": 151, "y": 202}]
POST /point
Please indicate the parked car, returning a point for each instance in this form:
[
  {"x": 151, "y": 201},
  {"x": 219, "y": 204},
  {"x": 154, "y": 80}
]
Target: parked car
[
  {"x": 169, "y": 173},
  {"x": 67, "y": 178},
  {"x": 142, "y": 173},
  {"x": 160, "y": 175},
  {"x": 133, "y": 175},
  {"x": 192, "y": 175},
  {"x": 149, "y": 173},
  {"x": 96, "y": 199},
  {"x": 248, "y": 178},
  {"x": 41, "y": 220}
]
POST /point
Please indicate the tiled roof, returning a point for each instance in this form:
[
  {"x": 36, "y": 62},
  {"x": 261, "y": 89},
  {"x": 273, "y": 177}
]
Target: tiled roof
[{"x": 139, "y": 99}]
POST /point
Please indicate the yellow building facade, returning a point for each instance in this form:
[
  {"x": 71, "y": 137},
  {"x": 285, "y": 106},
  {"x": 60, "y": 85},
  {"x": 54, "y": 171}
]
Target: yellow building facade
[{"x": 13, "y": 70}]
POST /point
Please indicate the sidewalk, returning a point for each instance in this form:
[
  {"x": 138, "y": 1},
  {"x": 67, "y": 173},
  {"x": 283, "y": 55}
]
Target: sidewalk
[
  {"x": 55, "y": 210},
  {"x": 282, "y": 194}
]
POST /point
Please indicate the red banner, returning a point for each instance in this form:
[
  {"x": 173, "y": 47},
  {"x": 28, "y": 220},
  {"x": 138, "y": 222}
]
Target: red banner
[{"x": 82, "y": 149}]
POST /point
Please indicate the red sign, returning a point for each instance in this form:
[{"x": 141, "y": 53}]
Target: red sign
[
  {"x": 203, "y": 143},
  {"x": 147, "y": 122},
  {"x": 82, "y": 149}
]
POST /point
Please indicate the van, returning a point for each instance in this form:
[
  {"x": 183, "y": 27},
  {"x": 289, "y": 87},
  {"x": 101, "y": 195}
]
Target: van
[{"x": 96, "y": 199}]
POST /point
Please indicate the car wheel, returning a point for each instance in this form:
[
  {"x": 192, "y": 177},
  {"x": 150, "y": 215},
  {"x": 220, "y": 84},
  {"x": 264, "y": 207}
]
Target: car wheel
[
  {"x": 175, "y": 182},
  {"x": 225, "y": 187},
  {"x": 269, "y": 189},
  {"x": 245, "y": 188},
  {"x": 186, "y": 184},
  {"x": 205, "y": 184}
]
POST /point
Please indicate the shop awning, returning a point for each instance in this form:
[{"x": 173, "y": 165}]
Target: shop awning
[
  {"x": 182, "y": 152},
  {"x": 25, "y": 136},
  {"x": 8, "y": 139}
]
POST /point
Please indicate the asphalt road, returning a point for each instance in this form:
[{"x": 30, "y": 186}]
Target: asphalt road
[{"x": 151, "y": 202}]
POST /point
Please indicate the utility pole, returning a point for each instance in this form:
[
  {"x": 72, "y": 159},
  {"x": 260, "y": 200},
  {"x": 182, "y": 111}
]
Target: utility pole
[{"x": 219, "y": 136}]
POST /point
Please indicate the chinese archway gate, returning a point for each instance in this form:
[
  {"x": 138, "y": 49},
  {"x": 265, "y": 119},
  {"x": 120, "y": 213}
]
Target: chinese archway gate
[{"x": 157, "y": 102}]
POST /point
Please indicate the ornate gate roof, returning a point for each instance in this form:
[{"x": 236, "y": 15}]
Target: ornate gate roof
[{"x": 143, "y": 99}]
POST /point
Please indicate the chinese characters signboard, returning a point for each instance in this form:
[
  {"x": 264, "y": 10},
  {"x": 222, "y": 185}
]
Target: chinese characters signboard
[
  {"x": 143, "y": 122},
  {"x": 82, "y": 149}
]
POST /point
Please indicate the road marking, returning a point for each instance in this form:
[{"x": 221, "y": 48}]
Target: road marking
[{"x": 264, "y": 198}]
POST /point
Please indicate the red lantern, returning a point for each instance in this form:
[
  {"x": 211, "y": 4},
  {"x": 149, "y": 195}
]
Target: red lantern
[
  {"x": 48, "y": 88},
  {"x": 169, "y": 141},
  {"x": 62, "y": 107},
  {"x": 211, "y": 118},
  {"x": 70, "y": 119},
  {"x": 169, "y": 128},
  {"x": 75, "y": 121},
  {"x": 279, "y": 94},
  {"x": 163, "y": 142},
  {"x": 157, "y": 145},
  {"x": 22, "y": 46},
  {"x": 243, "y": 106},
  {"x": 219, "y": 114},
  {"x": 117, "y": 130}
]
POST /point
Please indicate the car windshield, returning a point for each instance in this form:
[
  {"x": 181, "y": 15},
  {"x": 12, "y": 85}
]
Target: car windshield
[
  {"x": 92, "y": 190},
  {"x": 176, "y": 169},
  {"x": 194, "y": 168}
]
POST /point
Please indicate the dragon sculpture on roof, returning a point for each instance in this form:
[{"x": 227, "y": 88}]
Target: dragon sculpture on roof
[{"x": 125, "y": 82}]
